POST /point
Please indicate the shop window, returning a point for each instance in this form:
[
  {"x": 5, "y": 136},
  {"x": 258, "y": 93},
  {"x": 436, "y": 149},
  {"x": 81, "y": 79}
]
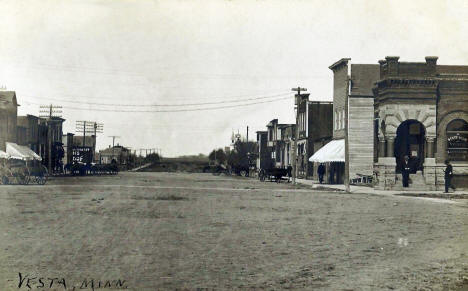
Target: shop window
[
  {"x": 457, "y": 140},
  {"x": 336, "y": 120},
  {"x": 343, "y": 119}
]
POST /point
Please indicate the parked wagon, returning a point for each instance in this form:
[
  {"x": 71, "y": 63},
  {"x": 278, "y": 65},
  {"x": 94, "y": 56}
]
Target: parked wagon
[
  {"x": 274, "y": 174},
  {"x": 14, "y": 172},
  {"x": 83, "y": 169},
  {"x": 220, "y": 169},
  {"x": 38, "y": 173},
  {"x": 20, "y": 165}
]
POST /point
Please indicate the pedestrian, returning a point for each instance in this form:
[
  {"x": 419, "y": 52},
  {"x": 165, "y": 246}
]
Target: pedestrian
[
  {"x": 405, "y": 170},
  {"x": 289, "y": 169},
  {"x": 321, "y": 172},
  {"x": 448, "y": 174}
]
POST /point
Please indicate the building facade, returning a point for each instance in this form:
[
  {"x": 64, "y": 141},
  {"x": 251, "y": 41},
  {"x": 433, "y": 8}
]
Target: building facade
[
  {"x": 353, "y": 87},
  {"x": 8, "y": 118},
  {"x": 264, "y": 160},
  {"x": 422, "y": 113},
  {"x": 314, "y": 131},
  {"x": 50, "y": 146},
  {"x": 28, "y": 132}
]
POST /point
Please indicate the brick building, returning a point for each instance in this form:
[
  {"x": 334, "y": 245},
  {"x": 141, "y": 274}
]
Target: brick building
[
  {"x": 314, "y": 131},
  {"x": 422, "y": 113},
  {"x": 50, "y": 146},
  {"x": 118, "y": 154}
]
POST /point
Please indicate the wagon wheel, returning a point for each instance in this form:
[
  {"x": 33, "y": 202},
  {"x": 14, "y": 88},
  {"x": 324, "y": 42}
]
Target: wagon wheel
[
  {"x": 41, "y": 180},
  {"x": 21, "y": 179},
  {"x": 26, "y": 180},
  {"x": 243, "y": 173}
]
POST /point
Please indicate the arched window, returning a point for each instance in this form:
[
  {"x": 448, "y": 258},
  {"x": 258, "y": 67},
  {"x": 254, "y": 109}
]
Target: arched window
[{"x": 457, "y": 140}]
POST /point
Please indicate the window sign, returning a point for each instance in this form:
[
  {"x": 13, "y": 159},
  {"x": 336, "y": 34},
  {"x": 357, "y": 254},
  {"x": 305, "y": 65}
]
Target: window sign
[{"x": 457, "y": 140}]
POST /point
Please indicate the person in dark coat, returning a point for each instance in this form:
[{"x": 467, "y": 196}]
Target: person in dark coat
[
  {"x": 289, "y": 169},
  {"x": 448, "y": 174},
  {"x": 405, "y": 170},
  {"x": 321, "y": 172}
]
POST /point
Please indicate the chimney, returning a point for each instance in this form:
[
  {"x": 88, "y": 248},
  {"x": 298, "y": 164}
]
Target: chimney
[
  {"x": 431, "y": 63},
  {"x": 382, "y": 68},
  {"x": 392, "y": 65}
]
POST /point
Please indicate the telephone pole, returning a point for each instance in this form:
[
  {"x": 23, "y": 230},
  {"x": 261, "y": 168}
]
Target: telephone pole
[
  {"x": 346, "y": 173},
  {"x": 295, "y": 169},
  {"x": 49, "y": 111}
]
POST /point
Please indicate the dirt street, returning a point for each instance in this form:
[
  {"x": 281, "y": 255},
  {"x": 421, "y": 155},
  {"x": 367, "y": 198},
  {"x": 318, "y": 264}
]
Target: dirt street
[{"x": 163, "y": 231}]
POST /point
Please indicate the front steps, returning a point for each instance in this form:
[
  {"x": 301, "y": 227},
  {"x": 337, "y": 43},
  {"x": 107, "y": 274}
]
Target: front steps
[{"x": 416, "y": 182}]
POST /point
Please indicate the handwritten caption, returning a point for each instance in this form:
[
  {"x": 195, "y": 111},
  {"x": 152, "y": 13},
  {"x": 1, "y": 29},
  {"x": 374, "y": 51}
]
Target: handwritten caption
[{"x": 28, "y": 281}]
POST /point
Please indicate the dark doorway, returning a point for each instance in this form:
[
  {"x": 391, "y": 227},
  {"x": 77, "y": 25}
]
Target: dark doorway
[{"x": 409, "y": 142}]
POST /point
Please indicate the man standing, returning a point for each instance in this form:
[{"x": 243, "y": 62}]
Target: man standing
[
  {"x": 321, "y": 172},
  {"x": 405, "y": 170},
  {"x": 448, "y": 176}
]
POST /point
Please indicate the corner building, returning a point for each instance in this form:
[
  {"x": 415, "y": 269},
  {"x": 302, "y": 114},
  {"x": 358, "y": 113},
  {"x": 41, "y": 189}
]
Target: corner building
[{"x": 420, "y": 111}]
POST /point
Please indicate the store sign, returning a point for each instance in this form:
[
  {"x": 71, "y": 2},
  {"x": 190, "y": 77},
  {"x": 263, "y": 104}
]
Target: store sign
[{"x": 82, "y": 155}]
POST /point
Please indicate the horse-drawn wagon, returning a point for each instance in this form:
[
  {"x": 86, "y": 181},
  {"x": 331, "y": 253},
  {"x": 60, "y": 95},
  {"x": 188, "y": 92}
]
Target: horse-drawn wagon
[
  {"x": 274, "y": 173},
  {"x": 20, "y": 165}
]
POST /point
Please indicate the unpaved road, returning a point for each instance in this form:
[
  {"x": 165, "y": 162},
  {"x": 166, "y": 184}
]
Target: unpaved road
[{"x": 161, "y": 231}]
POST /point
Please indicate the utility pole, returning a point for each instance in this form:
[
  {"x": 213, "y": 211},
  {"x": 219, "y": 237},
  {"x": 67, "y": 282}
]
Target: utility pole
[
  {"x": 346, "y": 176},
  {"x": 89, "y": 127},
  {"x": 295, "y": 171},
  {"x": 247, "y": 134}
]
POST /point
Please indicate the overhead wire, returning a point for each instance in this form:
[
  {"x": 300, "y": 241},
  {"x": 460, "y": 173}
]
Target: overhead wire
[
  {"x": 162, "y": 105},
  {"x": 171, "y": 110}
]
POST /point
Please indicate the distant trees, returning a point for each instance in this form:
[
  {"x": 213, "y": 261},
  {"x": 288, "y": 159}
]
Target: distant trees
[
  {"x": 240, "y": 158},
  {"x": 152, "y": 158},
  {"x": 243, "y": 155},
  {"x": 218, "y": 156}
]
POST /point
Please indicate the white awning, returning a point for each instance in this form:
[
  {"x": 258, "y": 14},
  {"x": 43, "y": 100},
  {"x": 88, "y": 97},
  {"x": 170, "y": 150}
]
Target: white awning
[
  {"x": 334, "y": 151},
  {"x": 4, "y": 155},
  {"x": 21, "y": 152}
]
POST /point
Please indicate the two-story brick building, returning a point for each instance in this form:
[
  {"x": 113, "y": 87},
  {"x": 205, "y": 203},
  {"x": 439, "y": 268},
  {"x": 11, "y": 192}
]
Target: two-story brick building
[
  {"x": 422, "y": 113},
  {"x": 314, "y": 131}
]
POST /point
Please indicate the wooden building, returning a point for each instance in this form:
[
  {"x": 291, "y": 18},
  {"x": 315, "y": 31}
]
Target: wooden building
[{"x": 8, "y": 118}]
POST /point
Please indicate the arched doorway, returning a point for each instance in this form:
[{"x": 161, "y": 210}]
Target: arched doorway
[{"x": 410, "y": 140}]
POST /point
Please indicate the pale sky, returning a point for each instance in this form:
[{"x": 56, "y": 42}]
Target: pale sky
[{"x": 73, "y": 53}]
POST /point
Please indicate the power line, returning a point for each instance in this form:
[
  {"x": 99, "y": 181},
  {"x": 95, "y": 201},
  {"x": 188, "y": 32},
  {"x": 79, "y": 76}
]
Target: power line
[
  {"x": 163, "y": 105},
  {"x": 178, "y": 110},
  {"x": 178, "y": 98}
]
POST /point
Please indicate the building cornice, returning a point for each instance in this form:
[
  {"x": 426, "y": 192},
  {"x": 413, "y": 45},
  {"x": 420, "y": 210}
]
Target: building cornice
[{"x": 339, "y": 64}]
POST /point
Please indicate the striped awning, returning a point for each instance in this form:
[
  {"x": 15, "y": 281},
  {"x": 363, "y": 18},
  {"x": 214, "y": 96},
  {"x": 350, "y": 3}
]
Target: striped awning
[
  {"x": 4, "y": 155},
  {"x": 21, "y": 152},
  {"x": 334, "y": 151}
]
